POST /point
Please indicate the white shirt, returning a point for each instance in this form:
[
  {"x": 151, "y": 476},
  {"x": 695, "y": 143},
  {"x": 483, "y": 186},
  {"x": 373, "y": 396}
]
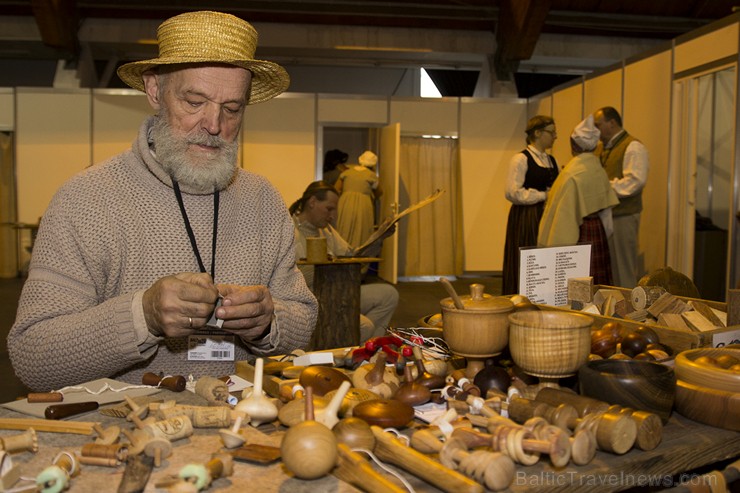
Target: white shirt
[
  {"x": 515, "y": 191},
  {"x": 634, "y": 168}
]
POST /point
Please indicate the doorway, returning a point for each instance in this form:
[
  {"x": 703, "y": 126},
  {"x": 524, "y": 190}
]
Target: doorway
[{"x": 702, "y": 164}]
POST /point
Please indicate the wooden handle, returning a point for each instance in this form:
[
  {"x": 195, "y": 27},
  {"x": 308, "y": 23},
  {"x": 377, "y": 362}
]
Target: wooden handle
[
  {"x": 61, "y": 411},
  {"x": 453, "y": 294},
  {"x": 389, "y": 449},
  {"x": 353, "y": 469},
  {"x": 174, "y": 383},
  {"x": 76, "y": 427},
  {"x": 45, "y": 397}
]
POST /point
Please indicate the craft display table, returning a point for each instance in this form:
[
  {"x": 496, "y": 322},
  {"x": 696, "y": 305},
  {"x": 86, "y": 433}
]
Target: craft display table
[
  {"x": 336, "y": 285},
  {"x": 686, "y": 445}
]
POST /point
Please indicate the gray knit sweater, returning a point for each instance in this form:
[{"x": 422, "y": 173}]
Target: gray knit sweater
[{"x": 113, "y": 230}]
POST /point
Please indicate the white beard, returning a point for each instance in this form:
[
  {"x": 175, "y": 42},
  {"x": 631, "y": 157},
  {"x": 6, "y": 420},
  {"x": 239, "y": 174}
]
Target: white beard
[{"x": 201, "y": 173}]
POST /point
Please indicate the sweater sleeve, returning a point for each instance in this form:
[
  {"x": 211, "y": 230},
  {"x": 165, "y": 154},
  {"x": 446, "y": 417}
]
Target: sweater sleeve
[
  {"x": 63, "y": 334},
  {"x": 296, "y": 308}
]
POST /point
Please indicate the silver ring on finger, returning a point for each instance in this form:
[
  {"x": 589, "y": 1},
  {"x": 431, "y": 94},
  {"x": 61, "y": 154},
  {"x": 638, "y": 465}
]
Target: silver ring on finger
[{"x": 190, "y": 321}]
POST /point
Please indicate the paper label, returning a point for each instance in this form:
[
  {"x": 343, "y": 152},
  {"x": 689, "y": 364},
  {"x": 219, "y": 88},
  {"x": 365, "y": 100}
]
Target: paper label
[
  {"x": 211, "y": 347},
  {"x": 544, "y": 272}
]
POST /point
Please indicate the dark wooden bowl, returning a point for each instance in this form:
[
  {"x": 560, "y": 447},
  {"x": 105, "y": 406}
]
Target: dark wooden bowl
[{"x": 640, "y": 385}]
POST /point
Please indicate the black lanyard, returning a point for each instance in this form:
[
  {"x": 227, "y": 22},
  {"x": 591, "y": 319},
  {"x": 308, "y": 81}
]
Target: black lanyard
[{"x": 189, "y": 229}]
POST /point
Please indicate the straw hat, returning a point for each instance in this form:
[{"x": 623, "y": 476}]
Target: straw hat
[
  {"x": 368, "y": 159},
  {"x": 211, "y": 37}
]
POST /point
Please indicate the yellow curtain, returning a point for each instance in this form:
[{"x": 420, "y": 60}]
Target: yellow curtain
[
  {"x": 430, "y": 239},
  {"x": 8, "y": 233}
]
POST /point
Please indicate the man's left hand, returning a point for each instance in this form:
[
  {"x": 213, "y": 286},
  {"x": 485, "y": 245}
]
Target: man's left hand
[{"x": 246, "y": 310}]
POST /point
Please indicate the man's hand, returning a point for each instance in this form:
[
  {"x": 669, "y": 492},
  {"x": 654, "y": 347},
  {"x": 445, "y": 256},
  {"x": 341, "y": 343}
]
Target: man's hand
[
  {"x": 246, "y": 310},
  {"x": 172, "y": 302}
]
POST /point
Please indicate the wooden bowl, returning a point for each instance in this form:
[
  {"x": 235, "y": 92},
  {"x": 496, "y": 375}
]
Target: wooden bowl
[
  {"x": 478, "y": 332},
  {"x": 637, "y": 384},
  {"x": 709, "y": 406},
  {"x": 713, "y": 377},
  {"x": 549, "y": 344}
]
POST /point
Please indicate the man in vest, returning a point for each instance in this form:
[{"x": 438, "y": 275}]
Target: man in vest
[{"x": 625, "y": 160}]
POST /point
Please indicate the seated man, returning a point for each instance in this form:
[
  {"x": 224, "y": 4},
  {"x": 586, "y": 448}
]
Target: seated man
[
  {"x": 312, "y": 215},
  {"x": 132, "y": 255},
  {"x": 578, "y": 207}
]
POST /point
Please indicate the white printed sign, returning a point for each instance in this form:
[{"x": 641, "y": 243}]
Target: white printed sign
[{"x": 544, "y": 272}]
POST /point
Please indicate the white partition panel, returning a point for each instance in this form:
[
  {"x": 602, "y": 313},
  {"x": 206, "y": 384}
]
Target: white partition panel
[
  {"x": 712, "y": 46},
  {"x": 53, "y": 143},
  {"x": 117, "y": 116},
  {"x": 7, "y": 109},
  {"x": 603, "y": 90},
  {"x": 347, "y": 109},
  {"x": 279, "y": 142},
  {"x": 567, "y": 108},
  {"x": 646, "y": 115},
  {"x": 426, "y": 116},
  {"x": 490, "y": 133}
]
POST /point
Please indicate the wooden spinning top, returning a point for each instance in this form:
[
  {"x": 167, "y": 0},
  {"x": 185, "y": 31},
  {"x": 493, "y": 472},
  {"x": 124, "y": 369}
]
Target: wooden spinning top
[
  {"x": 412, "y": 392},
  {"x": 231, "y": 437},
  {"x": 386, "y": 413},
  {"x": 158, "y": 448},
  {"x": 353, "y": 397},
  {"x": 377, "y": 378},
  {"x": 107, "y": 436},
  {"x": 309, "y": 449}
]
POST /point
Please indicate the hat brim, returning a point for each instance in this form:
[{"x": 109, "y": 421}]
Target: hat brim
[{"x": 268, "y": 79}]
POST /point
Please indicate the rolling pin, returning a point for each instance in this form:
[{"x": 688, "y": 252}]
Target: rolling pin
[
  {"x": 61, "y": 411},
  {"x": 388, "y": 448}
]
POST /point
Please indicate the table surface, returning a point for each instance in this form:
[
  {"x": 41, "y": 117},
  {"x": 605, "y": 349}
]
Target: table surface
[
  {"x": 341, "y": 261},
  {"x": 686, "y": 445}
]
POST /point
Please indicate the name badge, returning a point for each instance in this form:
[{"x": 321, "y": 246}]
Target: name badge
[{"x": 211, "y": 347}]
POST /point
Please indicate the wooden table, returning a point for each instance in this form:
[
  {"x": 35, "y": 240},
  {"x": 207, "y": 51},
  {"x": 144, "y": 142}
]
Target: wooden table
[
  {"x": 336, "y": 285},
  {"x": 686, "y": 445}
]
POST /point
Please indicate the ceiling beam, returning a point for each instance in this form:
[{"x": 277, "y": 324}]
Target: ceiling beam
[
  {"x": 57, "y": 22},
  {"x": 520, "y": 23}
]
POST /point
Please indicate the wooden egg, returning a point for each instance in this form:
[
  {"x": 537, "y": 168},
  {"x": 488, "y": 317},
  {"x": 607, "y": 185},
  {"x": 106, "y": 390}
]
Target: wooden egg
[
  {"x": 701, "y": 366},
  {"x": 726, "y": 360},
  {"x": 309, "y": 450},
  {"x": 355, "y": 433}
]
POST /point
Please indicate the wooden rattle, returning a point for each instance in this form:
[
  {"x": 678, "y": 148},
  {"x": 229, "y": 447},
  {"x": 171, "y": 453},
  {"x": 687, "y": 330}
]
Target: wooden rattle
[
  {"x": 563, "y": 416},
  {"x": 390, "y": 449},
  {"x": 231, "y": 437},
  {"x": 259, "y": 408},
  {"x": 24, "y": 442},
  {"x": 309, "y": 449},
  {"x": 55, "y": 478},
  {"x": 202, "y": 475},
  {"x": 493, "y": 469}
]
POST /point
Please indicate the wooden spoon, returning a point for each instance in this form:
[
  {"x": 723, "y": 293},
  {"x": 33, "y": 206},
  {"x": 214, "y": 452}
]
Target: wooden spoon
[{"x": 453, "y": 294}]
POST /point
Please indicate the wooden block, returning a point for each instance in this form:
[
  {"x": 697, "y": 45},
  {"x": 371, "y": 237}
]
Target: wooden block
[
  {"x": 707, "y": 312},
  {"x": 637, "y": 315},
  {"x": 608, "y": 308},
  {"x": 576, "y": 305},
  {"x": 697, "y": 321},
  {"x": 733, "y": 307},
  {"x": 601, "y": 295},
  {"x": 580, "y": 289},
  {"x": 722, "y": 316},
  {"x": 674, "y": 321},
  {"x": 622, "y": 308},
  {"x": 667, "y": 303},
  {"x": 644, "y": 296},
  {"x": 591, "y": 308}
]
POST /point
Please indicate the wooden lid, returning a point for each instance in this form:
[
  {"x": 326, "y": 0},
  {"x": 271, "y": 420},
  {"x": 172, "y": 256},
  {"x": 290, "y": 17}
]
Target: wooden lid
[{"x": 478, "y": 300}]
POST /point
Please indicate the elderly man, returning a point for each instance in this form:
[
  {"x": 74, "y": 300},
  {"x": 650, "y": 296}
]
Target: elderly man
[
  {"x": 578, "y": 207},
  {"x": 625, "y": 160},
  {"x": 168, "y": 257}
]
